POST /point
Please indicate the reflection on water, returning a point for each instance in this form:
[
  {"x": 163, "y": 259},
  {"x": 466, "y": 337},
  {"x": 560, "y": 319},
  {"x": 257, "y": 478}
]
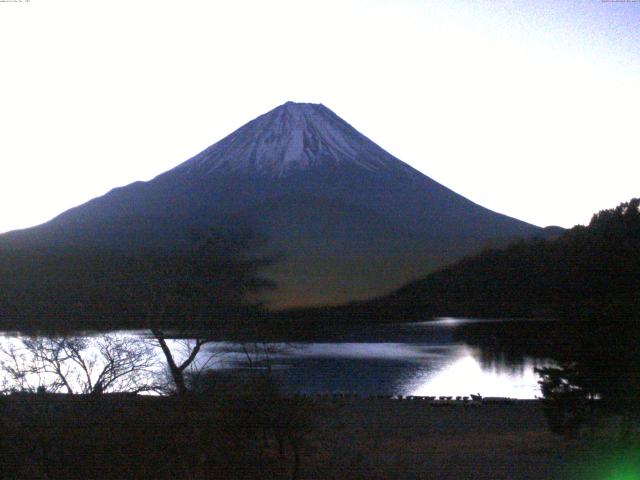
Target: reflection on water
[
  {"x": 466, "y": 374},
  {"x": 447, "y": 357},
  {"x": 403, "y": 369},
  {"x": 371, "y": 368}
]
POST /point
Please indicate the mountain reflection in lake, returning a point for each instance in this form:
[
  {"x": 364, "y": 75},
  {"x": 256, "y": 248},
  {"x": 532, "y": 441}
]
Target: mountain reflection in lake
[{"x": 445, "y": 357}]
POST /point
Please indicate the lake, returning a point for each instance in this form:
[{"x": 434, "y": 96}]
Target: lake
[
  {"x": 443, "y": 357},
  {"x": 435, "y": 358}
]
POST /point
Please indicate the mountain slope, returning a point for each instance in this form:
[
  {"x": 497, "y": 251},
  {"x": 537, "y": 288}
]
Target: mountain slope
[
  {"x": 586, "y": 272},
  {"x": 350, "y": 220}
]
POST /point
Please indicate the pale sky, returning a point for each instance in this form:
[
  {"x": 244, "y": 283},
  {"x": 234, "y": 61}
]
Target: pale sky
[{"x": 529, "y": 108}]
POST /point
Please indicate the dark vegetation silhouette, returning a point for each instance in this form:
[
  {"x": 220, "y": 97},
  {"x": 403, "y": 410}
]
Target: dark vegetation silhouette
[
  {"x": 247, "y": 434},
  {"x": 207, "y": 282},
  {"x": 592, "y": 399},
  {"x": 588, "y": 271},
  {"x": 596, "y": 383}
]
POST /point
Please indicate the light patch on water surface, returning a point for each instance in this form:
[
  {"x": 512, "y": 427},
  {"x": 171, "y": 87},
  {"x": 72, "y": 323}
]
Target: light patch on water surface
[
  {"x": 234, "y": 354},
  {"x": 420, "y": 369},
  {"x": 449, "y": 321},
  {"x": 360, "y": 350},
  {"x": 465, "y": 375}
]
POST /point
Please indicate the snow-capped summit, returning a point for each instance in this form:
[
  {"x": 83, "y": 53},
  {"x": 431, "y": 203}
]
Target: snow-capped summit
[{"x": 292, "y": 137}]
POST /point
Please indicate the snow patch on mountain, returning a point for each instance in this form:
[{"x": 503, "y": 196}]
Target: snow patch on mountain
[{"x": 292, "y": 137}]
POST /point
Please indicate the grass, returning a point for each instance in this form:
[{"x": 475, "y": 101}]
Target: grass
[{"x": 119, "y": 436}]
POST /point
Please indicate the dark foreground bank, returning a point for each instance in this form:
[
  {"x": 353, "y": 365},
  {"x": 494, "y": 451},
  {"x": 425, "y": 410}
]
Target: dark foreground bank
[{"x": 120, "y": 436}]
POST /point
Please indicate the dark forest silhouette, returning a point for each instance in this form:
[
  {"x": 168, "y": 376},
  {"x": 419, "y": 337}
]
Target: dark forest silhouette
[
  {"x": 212, "y": 280},
  {"x": 587, "y": 271},
  {"x": 596, "y": 383}
]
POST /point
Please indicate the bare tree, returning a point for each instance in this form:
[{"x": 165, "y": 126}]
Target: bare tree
[
  {"x": 187, "y": 350},
  {"x": 82, "y": 365},
  {"x": 260, "y": 354},
  {"x": 194, "y": 287},
  {"x": 189, "y": 360}
]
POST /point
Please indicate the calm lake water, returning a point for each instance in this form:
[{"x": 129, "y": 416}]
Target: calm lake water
[{"x": 443, "y": 357}]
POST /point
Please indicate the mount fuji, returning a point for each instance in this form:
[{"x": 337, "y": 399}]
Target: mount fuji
[{"x": 350, "y": 220}]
